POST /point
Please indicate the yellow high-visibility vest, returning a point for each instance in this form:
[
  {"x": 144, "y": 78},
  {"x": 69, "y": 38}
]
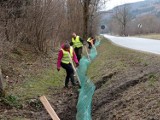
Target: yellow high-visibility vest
[
  {"x": 76, "y": 42},
  {"x": 65, "y": 58},
  {"x": 89, "y": 39}
]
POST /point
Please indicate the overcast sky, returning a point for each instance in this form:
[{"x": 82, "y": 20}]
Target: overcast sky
[{"x": 113, "y": 3}]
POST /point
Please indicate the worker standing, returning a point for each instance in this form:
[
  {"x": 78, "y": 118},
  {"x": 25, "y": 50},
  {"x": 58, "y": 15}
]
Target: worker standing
[
  {"x": 77, "y": 44},
  {"x": 64, "y": 61}
]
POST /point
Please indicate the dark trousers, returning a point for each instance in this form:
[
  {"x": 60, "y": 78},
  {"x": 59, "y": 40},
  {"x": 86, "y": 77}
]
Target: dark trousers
[
  {"x": 69, "y": 72},
  {"x": 89, "y": 45},
  {"x": 78, "y": 52}
]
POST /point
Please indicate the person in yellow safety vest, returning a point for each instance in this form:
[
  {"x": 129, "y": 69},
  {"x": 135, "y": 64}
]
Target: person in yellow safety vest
[
  {"x": 91, "y": 42},
  {"x": 77, "y": 43},
  {"x": 64, "y": 61}
]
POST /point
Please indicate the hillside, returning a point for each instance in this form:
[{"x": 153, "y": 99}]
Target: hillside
[
  {"x": 145, "y": 7},
  {"x": 136, "y": 10}
]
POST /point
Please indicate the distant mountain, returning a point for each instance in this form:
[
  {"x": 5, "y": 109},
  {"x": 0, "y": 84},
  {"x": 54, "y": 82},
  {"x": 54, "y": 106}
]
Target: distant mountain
[
  {"x": 145, "y": 7},
  {"x": 136, "y": 10}
]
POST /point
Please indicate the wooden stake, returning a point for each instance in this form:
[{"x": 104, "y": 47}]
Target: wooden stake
[{"x": 49, "y": 108}]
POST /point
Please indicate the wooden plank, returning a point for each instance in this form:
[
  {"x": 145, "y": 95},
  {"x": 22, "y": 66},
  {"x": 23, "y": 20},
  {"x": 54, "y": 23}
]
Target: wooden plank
[{"x": 49, "y": 108}]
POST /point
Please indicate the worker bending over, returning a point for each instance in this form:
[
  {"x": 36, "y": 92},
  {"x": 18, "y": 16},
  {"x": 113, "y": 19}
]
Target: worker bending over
[
  {"x": 64, "y": 61},
  {"x": 91, "y": 41}
]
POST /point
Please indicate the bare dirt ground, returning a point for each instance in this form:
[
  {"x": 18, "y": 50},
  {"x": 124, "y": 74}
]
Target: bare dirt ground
[{"x": 127, "y": 88}]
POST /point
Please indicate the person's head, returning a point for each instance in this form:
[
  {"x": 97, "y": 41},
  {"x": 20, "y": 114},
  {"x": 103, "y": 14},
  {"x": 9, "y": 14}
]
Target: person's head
[
  {"x": 91, "y": 37},
  {"x": 66, "y": 47},
  {"x": 74, "y": 35}
]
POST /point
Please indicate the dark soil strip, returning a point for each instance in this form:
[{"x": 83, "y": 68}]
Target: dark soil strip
[
  {"x": 69, "y": 113},
  {"x": 115, "y": 93},
  {"x": 104, "y": 80}
]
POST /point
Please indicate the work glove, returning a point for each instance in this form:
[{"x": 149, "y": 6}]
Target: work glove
[
  {"x": 58, "y": 69},
  {"x": 77, "y": 64}
]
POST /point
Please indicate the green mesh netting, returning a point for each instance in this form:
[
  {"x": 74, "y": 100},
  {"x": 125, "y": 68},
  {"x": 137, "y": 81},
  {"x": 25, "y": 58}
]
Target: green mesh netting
[{"x": 87, "y": 87}]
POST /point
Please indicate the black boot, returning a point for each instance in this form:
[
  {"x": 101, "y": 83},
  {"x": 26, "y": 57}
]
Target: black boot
[
  {"x": 66, "y": 82},
  {"x": 72, "y": 79}
]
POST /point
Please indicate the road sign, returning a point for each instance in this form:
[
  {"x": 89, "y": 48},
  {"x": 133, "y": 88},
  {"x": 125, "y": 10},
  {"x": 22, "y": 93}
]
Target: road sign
[
  {"x": 102, "y": 26},
  {"x": 139, "y": 25}
]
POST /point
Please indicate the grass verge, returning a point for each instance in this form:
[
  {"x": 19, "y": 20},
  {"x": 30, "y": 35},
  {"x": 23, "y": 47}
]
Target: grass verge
[
  {"x": 38, "y": 85},
  {"x": 151, "y": 36}
]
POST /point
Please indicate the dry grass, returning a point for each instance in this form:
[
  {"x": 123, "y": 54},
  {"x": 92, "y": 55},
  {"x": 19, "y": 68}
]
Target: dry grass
[{"x": 151, "y": 36}]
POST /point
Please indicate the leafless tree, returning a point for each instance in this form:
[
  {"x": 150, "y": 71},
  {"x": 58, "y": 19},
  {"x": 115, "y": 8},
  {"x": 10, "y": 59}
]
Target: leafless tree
[
  {"x": 149, "y": 24},
  {"x": 43, "y": 23},
  {"x": 90, "y": 8},
  {"x": 114, "y": 27},
  {"x": 122, "y": 16}
]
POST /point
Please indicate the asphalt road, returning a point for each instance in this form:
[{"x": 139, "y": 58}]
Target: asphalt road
[{"x": 141, "y": 44}]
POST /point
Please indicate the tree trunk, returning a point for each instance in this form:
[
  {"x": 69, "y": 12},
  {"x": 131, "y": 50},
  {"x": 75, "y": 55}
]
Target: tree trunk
[
  {"x": 2, "y": 92},
  {"x": 6, "y": 29},
  {"x": 85, "y": 18}
]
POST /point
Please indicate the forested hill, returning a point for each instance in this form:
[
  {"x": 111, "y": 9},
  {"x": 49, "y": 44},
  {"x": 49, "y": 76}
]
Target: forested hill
[
  {"x": 146, "y": 12},
  {"x": 138, "y": 9},
  {"x": 145, "y": 7}
]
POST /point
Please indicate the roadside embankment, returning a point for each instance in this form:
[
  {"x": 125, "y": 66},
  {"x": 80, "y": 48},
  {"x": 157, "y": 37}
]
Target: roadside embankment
[{"x": 127, "y": 84}]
